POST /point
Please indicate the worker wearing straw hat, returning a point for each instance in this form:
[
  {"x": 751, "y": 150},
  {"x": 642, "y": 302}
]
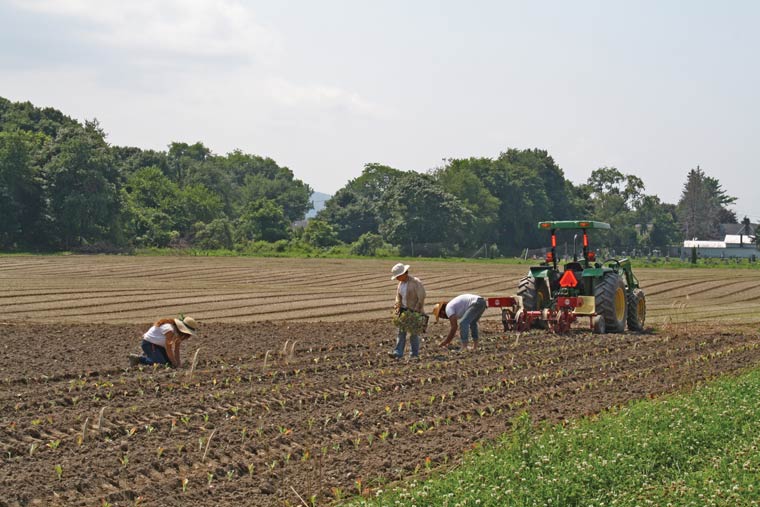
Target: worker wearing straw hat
[
  {"x": 463, "y": 312},
  {"x": 161, "y": 343},
  {"x": 410, "y": 296}
]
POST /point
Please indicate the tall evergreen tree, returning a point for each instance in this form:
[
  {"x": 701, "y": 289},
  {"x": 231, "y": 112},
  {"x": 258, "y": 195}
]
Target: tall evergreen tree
[{"x": 702, "y": 205}]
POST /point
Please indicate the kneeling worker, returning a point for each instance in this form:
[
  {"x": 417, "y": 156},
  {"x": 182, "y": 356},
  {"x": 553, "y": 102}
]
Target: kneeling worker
[
  {"x": 161, "y": 343},
  {"x": 463, "y": 312}
]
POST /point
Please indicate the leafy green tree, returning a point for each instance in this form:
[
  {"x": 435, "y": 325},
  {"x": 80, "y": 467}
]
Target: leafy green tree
[
  {"x": 539, "y": 163},
  {"x": 352, "y": 211},
  {"x": 197, "y": 204},
  {"x": 263, "y": 220},
  {"x": 615, "y": 198},
  {"x": 213, "y": 236},
  {"x": 129, "y": 160},
  {"x": 21, "y": 197},
  {"x": 350, "y": 214},
  {"x": 215, "y": 175},
  {"x": 152, "y": 203},
  {"x": 182, "y": 157},
  {"x": 83, "y": 187},
  {"x": 702, "y": 206},
  {"x": 25, "y": 116},
  {"x": 460, "y": 180},
  {"x": 657, "y": 223},
  {"x": 262, "y": 178},
  {"x": 367, "y": 245},
  {"x": 320, "y": 234},
  {"x": 415, "y": 209}
]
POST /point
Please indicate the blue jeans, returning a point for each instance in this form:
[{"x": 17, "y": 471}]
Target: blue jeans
[
  {"x": 469, "y": 321},
  {"x": 414, "y": 341},
  {"x": 153, "y": 354}
]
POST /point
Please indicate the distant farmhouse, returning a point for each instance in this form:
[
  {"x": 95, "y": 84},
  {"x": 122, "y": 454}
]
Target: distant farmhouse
[{"x": 738, "y": 242}]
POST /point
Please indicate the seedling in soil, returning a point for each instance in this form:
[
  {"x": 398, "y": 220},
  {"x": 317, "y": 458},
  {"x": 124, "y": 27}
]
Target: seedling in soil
[
  {"x": 83, "y": 435},
  {"x": 53, "y": 444},
  {"x": 230, "y": 475},
  {"x": 194, "y": 364},
  {"x": 159, "y": 451},
  {"x": 384, "y": 435},
  {"x": 209, "y": 478},
  {"x": 185, "y": 419},
  {"x": 306, "y": 456},
  {"x": 58, "y": 471},
  {"x": 33, "y": 448},
  {"x": 100, "y": 419},
  {"x": 250, "y": 470},
  {"x": 208, "y": 443},
  {"x": 184, "y": 484},
  {"x": 124, "y": 460}
]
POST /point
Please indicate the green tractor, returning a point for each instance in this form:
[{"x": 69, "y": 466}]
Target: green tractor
[{"x": 607, "y": 292}]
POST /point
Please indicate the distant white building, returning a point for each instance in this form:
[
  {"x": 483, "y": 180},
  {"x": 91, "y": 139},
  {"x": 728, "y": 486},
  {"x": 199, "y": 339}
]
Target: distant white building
[{"x": 733, "y": 245}]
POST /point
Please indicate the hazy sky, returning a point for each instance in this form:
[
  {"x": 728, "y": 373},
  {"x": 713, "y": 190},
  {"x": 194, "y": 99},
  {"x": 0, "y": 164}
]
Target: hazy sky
[{"x": 653, "y": 88}]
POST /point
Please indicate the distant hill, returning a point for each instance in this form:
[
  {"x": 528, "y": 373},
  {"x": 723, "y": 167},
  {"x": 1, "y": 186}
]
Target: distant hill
[{"x": 318, "y": 198}]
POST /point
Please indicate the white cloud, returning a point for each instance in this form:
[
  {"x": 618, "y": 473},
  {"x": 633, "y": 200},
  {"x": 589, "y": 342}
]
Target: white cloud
[
  {"x": 199, "y": 28},
  {"x": 322, "y": 97}
]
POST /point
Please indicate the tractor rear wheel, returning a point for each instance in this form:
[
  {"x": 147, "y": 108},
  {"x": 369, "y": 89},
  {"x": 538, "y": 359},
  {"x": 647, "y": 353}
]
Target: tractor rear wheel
[
  {"x": 535, "y": 294},
  {"x": 637, "y": 310},
  {"x": 611, "y": 302}
]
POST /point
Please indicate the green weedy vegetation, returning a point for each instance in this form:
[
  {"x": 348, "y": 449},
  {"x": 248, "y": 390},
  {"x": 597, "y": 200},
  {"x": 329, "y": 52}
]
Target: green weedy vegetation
[{"x": 695, "y": 449}]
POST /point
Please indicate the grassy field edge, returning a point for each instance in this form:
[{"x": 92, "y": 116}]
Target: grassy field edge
[{"x": 697, "y": 448}]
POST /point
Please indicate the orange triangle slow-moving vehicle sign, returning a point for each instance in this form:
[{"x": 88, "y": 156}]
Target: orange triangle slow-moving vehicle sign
[{"x": 568, "y": 279}]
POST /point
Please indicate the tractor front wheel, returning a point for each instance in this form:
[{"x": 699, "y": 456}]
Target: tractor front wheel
[
  {"x": 637, "y": 310},
  {"x": 611, "y": 302}
]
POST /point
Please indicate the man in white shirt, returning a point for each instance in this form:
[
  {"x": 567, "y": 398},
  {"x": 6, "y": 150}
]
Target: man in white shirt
[{"x": 463, "y": 312}]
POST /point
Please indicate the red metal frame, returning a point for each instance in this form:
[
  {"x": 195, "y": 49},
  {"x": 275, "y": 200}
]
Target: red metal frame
[{"x": 558, "y": 320}]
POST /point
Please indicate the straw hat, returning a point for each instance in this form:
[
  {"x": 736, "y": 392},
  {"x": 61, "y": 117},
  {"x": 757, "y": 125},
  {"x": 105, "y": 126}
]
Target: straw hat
[
  {"x": 186, "y": 325},
  {"x": 398, "y": 270},
  {"x": 437, "y": 309}
]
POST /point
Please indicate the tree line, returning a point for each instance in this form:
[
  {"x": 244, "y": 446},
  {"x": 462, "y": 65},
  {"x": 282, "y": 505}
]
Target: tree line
[{"x": 64, "y": 187}]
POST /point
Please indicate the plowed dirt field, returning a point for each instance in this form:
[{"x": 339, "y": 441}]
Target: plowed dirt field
[{"x": 293, "y": 394}]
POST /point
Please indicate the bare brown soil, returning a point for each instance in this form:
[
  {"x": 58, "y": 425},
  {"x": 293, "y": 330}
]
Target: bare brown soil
[
  {"x": 334, "y": 417},
  {"x": 279, "y": 407},
  {"x": 140, "y": 289}
]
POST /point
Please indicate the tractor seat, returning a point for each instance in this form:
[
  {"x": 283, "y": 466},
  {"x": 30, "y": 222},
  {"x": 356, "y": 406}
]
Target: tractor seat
[{"x": 577, "y": 270}]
